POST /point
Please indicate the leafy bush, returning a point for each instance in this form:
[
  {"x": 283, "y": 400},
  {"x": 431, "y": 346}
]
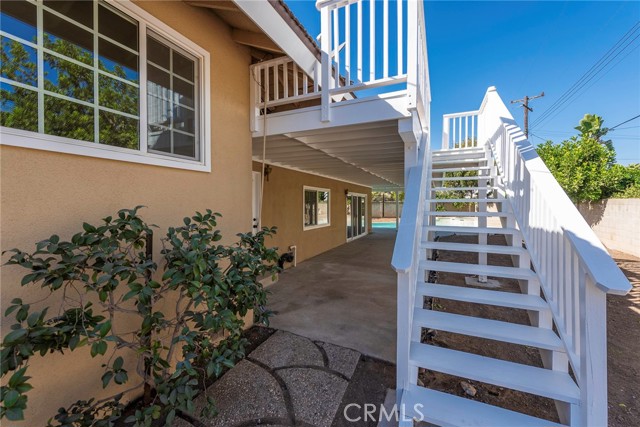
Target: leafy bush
[
  {"x": 106, "y": 272},
  {"x": 585, "y": 167}
]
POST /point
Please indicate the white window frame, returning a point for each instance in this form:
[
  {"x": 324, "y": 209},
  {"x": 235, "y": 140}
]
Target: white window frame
[
  {"x": 146, "y": 21},
  {"x": 318, "y": 189}
]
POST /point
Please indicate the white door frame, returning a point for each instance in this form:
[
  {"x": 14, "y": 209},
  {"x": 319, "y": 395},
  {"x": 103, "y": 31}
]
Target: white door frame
[{"x": 366, "y": 216}]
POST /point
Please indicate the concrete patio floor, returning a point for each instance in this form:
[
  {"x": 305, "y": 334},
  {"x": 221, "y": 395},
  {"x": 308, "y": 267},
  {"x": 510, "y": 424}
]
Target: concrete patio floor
[{"x": 346, "y": 296}]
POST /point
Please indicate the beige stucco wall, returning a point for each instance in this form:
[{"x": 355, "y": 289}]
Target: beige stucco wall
[
  {"x": 283, "y": 207},
  {"x": 45, "y": 192},
  {"x": 616, "y": 222}
]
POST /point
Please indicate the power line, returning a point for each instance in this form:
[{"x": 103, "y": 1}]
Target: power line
[
  {"x": 541, "y": 139},
  {"x": 626, "y": 121},
  {"x": 578, "y": 95},
  {"x": 592, "y": 71},
  {"x": 595, "y": 69}
]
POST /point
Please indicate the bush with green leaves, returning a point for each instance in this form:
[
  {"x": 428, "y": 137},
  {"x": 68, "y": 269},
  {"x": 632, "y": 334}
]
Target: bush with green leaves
[
  {"x": 105, "y": 273},
  {"x": 585, "y": 166}
]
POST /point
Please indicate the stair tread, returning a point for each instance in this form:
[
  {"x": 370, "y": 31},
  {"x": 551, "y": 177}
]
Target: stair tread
[
  {"x": 486, "y": 328},
  {"x": 439, "y": 161},
  {"x": 461, "y": 178},
  {"x": 482, "y": 296},
  {"x": 466, "y": 200},
  {"x": 446, "y": 409},
  {"x": 458, "y": 150},
  {"x": 468, "y": 214},
  {"x": 474, "y": 247},
  {"x": 529, "y": 379},
  {"x": 473, "y": 230},
  {"x": 475, "y": 269},
  {"x": 461, "y": 169},
  {"x": 463, "y": 188}
]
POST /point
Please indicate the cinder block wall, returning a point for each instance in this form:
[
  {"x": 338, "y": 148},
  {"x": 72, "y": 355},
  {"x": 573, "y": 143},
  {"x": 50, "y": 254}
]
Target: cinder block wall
[{"x": 616, "y": 222}]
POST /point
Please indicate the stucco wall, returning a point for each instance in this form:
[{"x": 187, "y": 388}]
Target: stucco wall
[
  {"x": 46, "y": 192},
  {"x": 616, "y": 222},
  {"x": 283, "y": 207}
]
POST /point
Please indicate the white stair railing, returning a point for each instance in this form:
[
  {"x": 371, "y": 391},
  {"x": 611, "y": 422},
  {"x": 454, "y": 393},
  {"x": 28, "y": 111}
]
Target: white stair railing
[
  {"x": 406, "y": 259},
  {"x": 575, "y": 270},
  {"x": 460, "y": 130}
]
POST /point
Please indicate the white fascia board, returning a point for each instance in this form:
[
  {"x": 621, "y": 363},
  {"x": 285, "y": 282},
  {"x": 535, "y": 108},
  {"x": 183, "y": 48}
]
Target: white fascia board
[{"x": 263, "y": 14}]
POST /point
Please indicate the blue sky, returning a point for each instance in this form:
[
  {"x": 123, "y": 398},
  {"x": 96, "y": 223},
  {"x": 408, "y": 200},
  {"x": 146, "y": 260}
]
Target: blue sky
[{"x": 524, "y": 48}]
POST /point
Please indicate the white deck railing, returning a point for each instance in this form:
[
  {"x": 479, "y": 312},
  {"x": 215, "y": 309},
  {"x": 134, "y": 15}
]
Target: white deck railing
[
  {"x": 374, "y": 45},
  {"x": 354, "y": 52},
  {"x": 575, "y": 270},
  {"x": 460, "y": 130},
  {"x": 280, "y": 82}
]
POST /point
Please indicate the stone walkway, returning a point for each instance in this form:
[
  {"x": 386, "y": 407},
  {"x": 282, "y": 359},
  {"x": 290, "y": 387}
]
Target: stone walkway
[{"x": 289, "y": 380}]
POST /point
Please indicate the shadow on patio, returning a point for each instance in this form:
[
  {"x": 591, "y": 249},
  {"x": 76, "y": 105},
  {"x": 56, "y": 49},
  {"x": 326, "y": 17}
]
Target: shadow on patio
[{"x": 346, "y": 296}]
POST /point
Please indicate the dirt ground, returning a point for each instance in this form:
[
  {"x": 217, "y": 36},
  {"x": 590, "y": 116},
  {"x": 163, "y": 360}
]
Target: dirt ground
[{"x": 623, "y": 323}]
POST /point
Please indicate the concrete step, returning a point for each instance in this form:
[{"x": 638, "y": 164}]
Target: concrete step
[
  {"x": 445, "y": 409},
  {"x": 482, "y": 296},
  {"x": 485, "y": 328},
  {"x": 479, "y": 270},
  {"x": 529, "y": 379}
]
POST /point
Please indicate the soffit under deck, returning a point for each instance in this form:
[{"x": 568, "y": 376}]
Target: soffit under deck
[{"x": 367, "y": 154}]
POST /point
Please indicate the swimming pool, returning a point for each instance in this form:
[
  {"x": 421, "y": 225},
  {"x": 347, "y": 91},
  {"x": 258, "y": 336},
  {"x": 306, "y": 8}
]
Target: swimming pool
[{"x": 384, "y": 225}]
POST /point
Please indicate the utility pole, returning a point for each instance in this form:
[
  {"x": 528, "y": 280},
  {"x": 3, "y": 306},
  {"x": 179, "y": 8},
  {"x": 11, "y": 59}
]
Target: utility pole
[{"x": 525, "y": 104}]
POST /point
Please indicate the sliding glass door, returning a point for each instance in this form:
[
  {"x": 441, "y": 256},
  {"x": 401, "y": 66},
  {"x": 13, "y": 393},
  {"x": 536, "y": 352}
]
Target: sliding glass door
[{"x": 356, "y": 215}]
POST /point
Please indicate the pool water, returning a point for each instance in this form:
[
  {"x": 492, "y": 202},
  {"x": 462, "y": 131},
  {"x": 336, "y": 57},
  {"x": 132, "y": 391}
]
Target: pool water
[{"x": 384, "y": 225}]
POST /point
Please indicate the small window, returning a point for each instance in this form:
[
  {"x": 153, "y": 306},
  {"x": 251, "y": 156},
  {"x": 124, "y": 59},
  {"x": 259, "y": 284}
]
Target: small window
[{"x": 317, "y": 205}]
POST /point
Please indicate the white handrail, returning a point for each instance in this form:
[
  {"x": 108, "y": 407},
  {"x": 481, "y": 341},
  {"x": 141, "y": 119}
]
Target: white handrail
[
  {"x": 574, "y": 268},
  {"x": 405, "y": 261}
]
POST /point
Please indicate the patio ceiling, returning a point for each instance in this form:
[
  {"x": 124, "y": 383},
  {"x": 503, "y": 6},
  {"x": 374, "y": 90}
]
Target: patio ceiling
[{"x": 369, "y": 154}]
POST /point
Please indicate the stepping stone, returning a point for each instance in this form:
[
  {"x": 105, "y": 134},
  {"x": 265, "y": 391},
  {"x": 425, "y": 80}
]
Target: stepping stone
[
  {"x": 343, "y": 360},
  {"x": 316, "y": 394},
  {"x": 285, "y": 349},
  {"x": 246, "y": 392}
]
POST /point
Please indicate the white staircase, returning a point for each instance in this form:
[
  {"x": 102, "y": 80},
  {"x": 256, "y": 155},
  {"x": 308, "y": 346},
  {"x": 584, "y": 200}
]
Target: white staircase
[
  {"x": 563, "y": 280},
  {"x": 549, "y": 383}
]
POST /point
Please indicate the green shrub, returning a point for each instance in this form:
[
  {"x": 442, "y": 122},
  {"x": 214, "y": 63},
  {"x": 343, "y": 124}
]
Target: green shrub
[{"x": 210, "y": 287}]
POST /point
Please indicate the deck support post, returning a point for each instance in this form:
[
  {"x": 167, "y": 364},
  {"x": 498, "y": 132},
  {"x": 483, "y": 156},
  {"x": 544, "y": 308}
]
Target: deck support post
[{"x": 325, "y": 75}]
